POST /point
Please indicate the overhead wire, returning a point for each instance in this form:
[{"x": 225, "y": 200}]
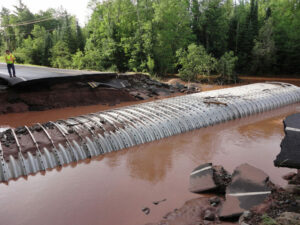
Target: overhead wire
[
  {"x": 28, "y": 22},
  {"x": 122, "y": 13},
  {"x": 23, "y": 23},
  {"x": 57, "y": 28}
]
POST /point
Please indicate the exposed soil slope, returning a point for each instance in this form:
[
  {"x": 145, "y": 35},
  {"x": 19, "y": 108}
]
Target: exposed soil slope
[{"x": 111, "y": 90}]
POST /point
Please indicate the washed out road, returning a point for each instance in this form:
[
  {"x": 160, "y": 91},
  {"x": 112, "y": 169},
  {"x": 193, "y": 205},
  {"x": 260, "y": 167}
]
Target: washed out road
[{"x": 26, "y": 73}]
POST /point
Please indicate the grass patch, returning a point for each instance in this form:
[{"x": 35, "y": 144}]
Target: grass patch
[{"x": 266, "y": 220}]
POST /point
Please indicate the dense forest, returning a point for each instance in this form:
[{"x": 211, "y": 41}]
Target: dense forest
[{"x": 160, "y": 36}]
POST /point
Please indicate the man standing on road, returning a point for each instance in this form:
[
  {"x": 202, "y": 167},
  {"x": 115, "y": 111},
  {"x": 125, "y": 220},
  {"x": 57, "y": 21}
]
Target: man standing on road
[{"x": 10, "y": 61}]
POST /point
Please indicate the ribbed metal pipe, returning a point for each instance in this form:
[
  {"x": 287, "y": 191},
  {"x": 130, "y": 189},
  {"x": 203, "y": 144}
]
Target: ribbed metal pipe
[{"x": 42, "y": 147}]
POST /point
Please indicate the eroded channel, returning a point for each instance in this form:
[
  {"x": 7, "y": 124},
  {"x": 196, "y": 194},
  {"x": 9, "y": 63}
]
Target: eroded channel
[{"x": 112, "y": 189}]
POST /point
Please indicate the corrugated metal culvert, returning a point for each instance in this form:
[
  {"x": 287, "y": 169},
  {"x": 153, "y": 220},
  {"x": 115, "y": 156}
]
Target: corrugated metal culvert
[{"x": 31, "y": 149}]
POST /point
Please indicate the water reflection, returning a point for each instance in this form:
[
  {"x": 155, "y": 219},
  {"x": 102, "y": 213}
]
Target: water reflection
[
  {"x": 151, "y": 163},
  {"x": 262, "y": 129}
]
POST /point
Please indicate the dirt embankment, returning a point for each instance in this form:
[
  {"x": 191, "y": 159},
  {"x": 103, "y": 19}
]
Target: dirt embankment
[
  {"x": 112, "y": 90},
  {"x": 243, "y": 80}
]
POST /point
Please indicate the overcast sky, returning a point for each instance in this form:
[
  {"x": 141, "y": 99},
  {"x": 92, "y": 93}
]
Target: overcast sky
[{"x": 74, "y": 7}]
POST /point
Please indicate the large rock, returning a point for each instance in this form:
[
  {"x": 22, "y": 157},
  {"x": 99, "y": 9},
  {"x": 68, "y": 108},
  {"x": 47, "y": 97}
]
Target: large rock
[
  {"x": 207, "y": 177},
  {"x": 289, "y": 218},
  {"x": 290, "y": 145},
  {"x": 247, "y": 189},
  {"x": 293, "y": 188}
]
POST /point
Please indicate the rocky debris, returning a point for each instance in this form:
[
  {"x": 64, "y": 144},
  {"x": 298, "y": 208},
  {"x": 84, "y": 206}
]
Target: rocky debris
[
  {"x": 49, "y": 125},
  {"x": 248, "y": 188},
  {"x": 160, "y": 201},
  {"x": 21, "y": 130},
  {"x": 209, "y": 215},
  {"x": 195, "y": 211},
  {"x": 289, "y": 155},
  {"x": 246, "y": 215},
  {"x": 293, "y": 188},
  {"x": 215, "y": 201},
  {"x": 146, "y": 210},
  {"x": 4, "y": 128},
  {"x": 250, "y": 199},
  {"x": 144, "y": 87},
  {"x": 293, "y": 183},
  {"x": 290, "y": 176},
  {"x": 7, "y": 138},
  {"x": 35, "y": 128},
  {"x": 221, "y": 177},
  {"x": 207, "y": 177},
  {"x": 288, "y": 218},
  {"x": 278, "y": 202}
]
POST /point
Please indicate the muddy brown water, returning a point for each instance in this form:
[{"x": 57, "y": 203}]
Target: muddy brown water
[{"x": 112, "y": 189}]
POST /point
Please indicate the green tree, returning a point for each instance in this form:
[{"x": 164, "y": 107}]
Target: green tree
[
  {"x": 141, "y": 50},
  {"x": 226, "y": 67},
  {"x": 196, "y": 21},
  {"x": 78, "y": 60},
  {"x": 214, "y": 22},
  {"x": 21, "y": 14},
  {"x": 35, "y": 49},
  {"x": 61, "y": 56},
  {"x": 8, "y": 33},
  {"x": 264, "y": 51},
  {"x": 286, "y": 21},
  {"x": 172, "y": 29},
  {"x": 111, "y": 31},
  {"x": 195, "y": 61}
]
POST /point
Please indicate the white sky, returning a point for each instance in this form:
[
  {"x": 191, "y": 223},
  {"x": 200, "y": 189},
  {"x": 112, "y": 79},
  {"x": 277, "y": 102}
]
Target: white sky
[{"x": 74, "y": 7}]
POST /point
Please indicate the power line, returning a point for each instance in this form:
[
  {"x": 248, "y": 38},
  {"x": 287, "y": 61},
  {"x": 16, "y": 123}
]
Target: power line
[
  {"x": 44, "y": 17},
  {"x": 23, "y": 23},
  {"x": 57, "y": 28},
  {"x": 27, "y": 23}
]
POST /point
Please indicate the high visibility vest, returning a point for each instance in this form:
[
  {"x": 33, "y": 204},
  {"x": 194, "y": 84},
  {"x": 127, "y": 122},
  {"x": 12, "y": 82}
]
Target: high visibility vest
[{"x": 10, "y": 59}]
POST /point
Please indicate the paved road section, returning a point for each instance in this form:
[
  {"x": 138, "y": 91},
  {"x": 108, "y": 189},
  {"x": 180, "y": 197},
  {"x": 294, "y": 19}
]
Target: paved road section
[
  {"x": 290, "y": 145},
  {"x": 247, "y": 189},
  {"x": 202, "y": 179},
  {"x": 28, "y": 73}
]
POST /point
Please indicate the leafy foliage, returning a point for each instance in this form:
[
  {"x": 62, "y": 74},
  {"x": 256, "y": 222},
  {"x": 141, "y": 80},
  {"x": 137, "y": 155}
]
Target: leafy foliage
[
  {"x": 226, "y": 66},
  {"x": 195, "y": 61},
  {"x": 264, "y": 49},
  {"x": 144, "y": 35},
  {"x": 61, "y": 56},
  {"x": 266, "y": 220}
]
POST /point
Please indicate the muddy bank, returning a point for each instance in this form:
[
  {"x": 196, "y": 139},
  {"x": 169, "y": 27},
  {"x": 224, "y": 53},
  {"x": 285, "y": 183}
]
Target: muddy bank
[
  {"x": 196, "y": 211},
  {"x": 108, "y": 90},
  {"x": 253, "y": 79},
  {"x": 204, "y": 86}
]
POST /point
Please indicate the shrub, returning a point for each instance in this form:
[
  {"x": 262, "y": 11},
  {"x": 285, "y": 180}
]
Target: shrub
[
  {"x": 226, "y": 66},
  {"x": 194, "y": 61},
  {"x": 61, "y": 56}
]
